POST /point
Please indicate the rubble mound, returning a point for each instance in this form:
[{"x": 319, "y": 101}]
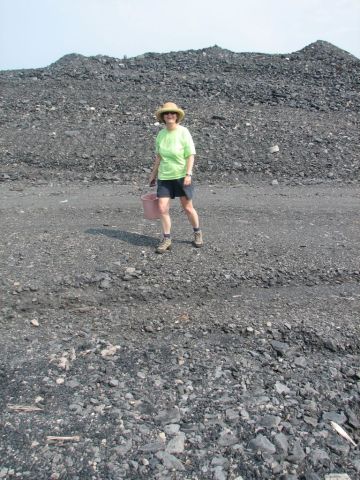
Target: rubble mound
[{"x": 292, "y": 116}]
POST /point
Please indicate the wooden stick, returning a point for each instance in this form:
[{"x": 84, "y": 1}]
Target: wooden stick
[
  {"x": 24, "y": 408},
  {"x": 74, "y": 438}
]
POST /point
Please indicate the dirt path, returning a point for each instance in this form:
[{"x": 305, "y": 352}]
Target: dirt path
[{"x": 255, "y": 334}]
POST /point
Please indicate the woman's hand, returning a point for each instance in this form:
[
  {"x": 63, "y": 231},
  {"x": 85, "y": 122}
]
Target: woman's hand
[
  {"x": 152, "y": 181},
  {"x": 154, "y": 171},
  {"x": 187, "y": 181}
]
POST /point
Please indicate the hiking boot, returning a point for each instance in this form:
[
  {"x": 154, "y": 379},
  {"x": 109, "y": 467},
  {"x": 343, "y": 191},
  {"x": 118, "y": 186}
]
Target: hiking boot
[
  {"x": 164, "y": 245},
  {"x": 198, "y": 240}
]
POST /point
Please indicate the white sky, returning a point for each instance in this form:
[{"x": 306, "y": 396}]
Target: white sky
[{"x": 35, "y": 33}]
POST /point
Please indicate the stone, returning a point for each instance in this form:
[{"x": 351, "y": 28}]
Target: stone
[
  {"x": 338, "y": 445},
  {"x": 105, "y": 284},
  {"x": 76, "y": 408},
  {"x": 311, "y": 476},
  {"x": 168, "y": 416},
  {"x": 71, "y": 133},
  {"x": 152, "y": 447},
  {"x": 353, "y": 419},
  {"x": 220, "y": 460},
  {"x": 320, "y": 457},
  {"x": 300, "y": 362},
  {"x": 282, "y": 389},
  {"x": 274, "y": 149},
  {"x": 270, "y": 421},
  {"x": 219, "y": 473},
  {"x": 281, "y": 442},
  {"x": 113, "y": 382},
  {"x": 339, "y": 418},
  {"x": 297, "y": 454},
  {"x": 261, "y": 443},
  {"x": 172, "y": 428},
  {"x": 280, "y": 347},
  {"x": 227, "y": 439},
  {"x": 232, "y": 415},
  {"x": 170, "y": 461},
  {"x": 72, "y": 383},
  {"x": 176, "y": 444},
  {"x": 122, "y": 450},
  {"x": 310, "y": 420},
  {"x": 356, "y": 463},
  {"x": 331, "y": 345}
]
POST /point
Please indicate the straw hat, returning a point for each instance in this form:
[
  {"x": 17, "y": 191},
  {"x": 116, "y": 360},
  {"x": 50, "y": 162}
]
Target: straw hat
[{"x": 169, "y": 107}]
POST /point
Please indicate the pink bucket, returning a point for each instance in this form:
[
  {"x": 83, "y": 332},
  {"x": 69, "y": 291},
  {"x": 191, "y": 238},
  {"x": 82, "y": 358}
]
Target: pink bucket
[{"x": 151, "y": 206}]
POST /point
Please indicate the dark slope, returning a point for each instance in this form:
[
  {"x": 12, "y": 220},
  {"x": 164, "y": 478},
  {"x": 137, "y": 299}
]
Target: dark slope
[{"x": 94, "y": 115}]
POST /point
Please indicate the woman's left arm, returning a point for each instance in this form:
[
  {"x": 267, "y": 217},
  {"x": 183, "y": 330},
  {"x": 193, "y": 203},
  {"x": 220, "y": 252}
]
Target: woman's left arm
[{"x": 189, "y": 168}]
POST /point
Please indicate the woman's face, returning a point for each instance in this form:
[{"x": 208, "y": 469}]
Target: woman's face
[{"x": 170, "y": 118}]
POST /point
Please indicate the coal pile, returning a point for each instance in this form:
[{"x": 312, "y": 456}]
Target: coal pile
[{"x": 288, "y": 116}]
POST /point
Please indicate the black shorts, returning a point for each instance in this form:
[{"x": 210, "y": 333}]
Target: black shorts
[{"x": 174, "y": 188}]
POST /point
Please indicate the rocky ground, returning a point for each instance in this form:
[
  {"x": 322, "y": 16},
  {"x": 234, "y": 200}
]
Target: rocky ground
[
  {"x": 225, "y": 362},
  {"x": 235, "y": 361}
]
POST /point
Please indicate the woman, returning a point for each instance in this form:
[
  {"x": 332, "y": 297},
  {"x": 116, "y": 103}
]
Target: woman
[{"x": 173, "y": 166}]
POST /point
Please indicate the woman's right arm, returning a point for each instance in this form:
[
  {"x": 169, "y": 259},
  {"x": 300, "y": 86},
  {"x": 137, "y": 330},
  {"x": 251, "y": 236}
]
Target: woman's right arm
[{"x": 154, "y": 171}]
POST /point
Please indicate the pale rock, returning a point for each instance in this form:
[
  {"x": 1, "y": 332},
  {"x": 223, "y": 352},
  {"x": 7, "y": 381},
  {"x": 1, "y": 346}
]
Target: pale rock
[
  {"x": 170, "y": 461},
  {"x": 274, "y": 149},
  {"x": 263, "y": 444},
  {"x": 337, "y": 476},
  {"x": 176, "y": 444}
]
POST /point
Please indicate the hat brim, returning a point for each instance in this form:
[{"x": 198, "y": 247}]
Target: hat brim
[{"x": 179, "y": 111}]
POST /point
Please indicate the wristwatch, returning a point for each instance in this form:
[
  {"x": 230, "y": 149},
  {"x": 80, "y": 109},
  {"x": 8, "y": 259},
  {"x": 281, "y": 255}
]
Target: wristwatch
[{"x": 188, "y": 175}]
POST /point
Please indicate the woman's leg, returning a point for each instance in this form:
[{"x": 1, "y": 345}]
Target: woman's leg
[
  {"x": 193, "y": 219},
  {"x": 190, "y": 211},
  {"x": 165, "y": 244},
  {"x": 164, "y": 206}
]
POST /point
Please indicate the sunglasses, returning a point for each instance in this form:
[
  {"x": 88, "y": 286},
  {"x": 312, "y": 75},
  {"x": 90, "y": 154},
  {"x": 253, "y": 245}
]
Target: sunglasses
[{"x": 169, "y": 113}]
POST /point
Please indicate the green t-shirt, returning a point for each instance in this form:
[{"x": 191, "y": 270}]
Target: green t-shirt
[{"x": 174, "y": 148}]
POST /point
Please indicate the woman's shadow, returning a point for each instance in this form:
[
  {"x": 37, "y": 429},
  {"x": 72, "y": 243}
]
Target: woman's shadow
[
  {"x": 129, "y": 237},
  {"x": 136, "y": 239}
]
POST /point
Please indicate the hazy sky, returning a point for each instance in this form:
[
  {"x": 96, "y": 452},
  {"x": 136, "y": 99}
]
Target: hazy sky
[{"x": 35, "y": 33}]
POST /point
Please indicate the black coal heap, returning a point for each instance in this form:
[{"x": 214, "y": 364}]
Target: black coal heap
[{"x": 93, "y": 116}]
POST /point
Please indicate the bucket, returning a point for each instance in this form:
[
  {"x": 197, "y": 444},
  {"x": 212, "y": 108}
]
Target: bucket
[{"x": 151, "y": 206}]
